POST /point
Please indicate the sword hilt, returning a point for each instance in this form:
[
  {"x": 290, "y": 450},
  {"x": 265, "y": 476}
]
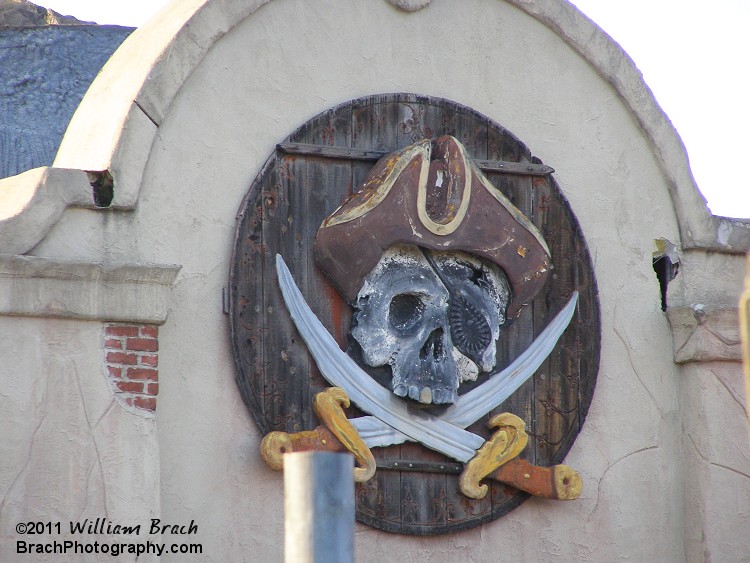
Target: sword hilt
[
  {"x": 336, "y": 434},
  {"x": 558, "y": 482}
]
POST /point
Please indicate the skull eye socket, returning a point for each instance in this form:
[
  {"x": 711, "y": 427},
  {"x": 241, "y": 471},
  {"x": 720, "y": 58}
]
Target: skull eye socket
[{"x": 405, "y": 311}]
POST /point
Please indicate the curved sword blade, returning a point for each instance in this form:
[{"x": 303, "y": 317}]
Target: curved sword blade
[
  {"x": 476, "y": 403},
  {"x": 340, "y": 370},
  {"x": 473, "y": 405}
]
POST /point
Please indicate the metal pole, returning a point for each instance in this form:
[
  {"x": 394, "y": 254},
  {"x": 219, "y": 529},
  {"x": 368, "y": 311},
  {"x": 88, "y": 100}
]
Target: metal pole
[{"x": 318, "y": 507}]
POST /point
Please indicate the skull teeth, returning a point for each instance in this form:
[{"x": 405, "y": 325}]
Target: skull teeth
[
  {"x": 414, "y": 392},
  {"x": 427, "y": 395}
]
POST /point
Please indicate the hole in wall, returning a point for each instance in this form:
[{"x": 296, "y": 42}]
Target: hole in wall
[
  {"x": 103, "y": 187},
  {"x": 666, "y": 264}
]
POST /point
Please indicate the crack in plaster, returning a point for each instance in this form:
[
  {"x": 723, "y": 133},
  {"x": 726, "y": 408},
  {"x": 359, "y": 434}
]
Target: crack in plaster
[
  {"x": 43, "y": 409},
  {"x": 604, "y": 475},
  {"x": 723, "y": 339},
  {"x": 105, "y": 413},
  {"x": 697, "y": 450},
  {"x": 628, "y": 348},
  {"x": 732, "y": 469},
  {"x": 712, "y": 463},
  {"x": 87, "y": 489},
  {"x": 729, "y": 391},
  {"x": 144, "y": 112},
  {"x": 678, "y": 350},
  {"x": 93, "y": 439},
  {"x": 94, "y": 463},
  {"x": 28, "y": 459}
]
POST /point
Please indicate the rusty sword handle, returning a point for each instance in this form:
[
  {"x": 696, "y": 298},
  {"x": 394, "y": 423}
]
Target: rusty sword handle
[
  {"x": 276, "y": 444},
  {"x": 336, "y": 434},
  {"x": 329, "y": 405},
  {"x": 507, "y": 442},
  {"x": 498, "y": 459},
  {"x": 558, "y": 482}
]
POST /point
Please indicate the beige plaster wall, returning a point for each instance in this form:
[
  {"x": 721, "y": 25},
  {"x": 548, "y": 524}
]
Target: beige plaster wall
[
  {"x": 68, "y": 452},
  {"x": 286, "y": 62},
  {"x": 715, "y": 441}
]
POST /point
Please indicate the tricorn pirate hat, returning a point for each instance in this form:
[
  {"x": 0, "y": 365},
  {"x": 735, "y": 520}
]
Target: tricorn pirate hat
[{"x": 430, "y": 194}]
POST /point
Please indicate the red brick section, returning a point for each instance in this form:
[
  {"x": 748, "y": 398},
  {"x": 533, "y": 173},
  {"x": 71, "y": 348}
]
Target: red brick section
[{"x": 132, "y": 361}]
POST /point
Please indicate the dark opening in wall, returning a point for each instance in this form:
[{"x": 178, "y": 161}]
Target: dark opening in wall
[
  {"x": 103, "y": 187},
  {"x": 666, "y": 265}
]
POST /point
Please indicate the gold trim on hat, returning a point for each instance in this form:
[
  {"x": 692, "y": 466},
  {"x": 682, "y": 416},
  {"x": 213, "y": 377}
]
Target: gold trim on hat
[
  {"x": 443, "y": 229},
  {"x": 512, "y": 209},
  {"x": 375, "y": 190}
]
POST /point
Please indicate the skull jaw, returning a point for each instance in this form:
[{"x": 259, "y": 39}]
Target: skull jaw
[{"x": 426, "y": 379}]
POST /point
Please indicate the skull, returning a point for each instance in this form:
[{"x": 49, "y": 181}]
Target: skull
[{"x": 434, "y": 317}]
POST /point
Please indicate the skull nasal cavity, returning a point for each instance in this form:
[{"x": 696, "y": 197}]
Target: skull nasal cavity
[
  {"x": 433, "y": 346},
  {"x": 405, "y": 311}
]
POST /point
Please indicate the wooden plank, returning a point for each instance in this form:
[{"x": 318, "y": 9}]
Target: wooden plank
[
  {"x": 471, "y": 130},
  {"x": 377, "y": 129},
  {"x": 246, "y": 292},
  {"x": 417, "y": 120},
  {"x": 588, "y": 329},
  {"x": 423, "y": 496},
  {"x": 557, "y": 391},
  {"x": 546, "y": 218},
  {"x": 366, "y": 139},
  {"x": 517, "y": 337},
  {"x": 424, "y": 505},
  {"x": 286, "y": 363},
  {"x": 326, "y": 185}
]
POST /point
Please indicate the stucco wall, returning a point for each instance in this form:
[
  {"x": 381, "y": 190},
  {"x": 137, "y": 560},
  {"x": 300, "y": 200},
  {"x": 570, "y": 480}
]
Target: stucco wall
[
  {"x": 70, "y": 453},
  {"x": 207, "y": 137}
]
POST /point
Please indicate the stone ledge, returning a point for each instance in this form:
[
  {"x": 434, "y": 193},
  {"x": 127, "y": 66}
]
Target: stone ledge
[
  {"x": 38, "y": 287},
  {"x": 705, "y": 336},
  {"x": 33, "y": 201}
]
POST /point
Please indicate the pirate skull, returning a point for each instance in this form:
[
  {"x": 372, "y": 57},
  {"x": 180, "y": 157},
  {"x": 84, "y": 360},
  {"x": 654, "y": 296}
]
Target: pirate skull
[
  {"x": 434, "y": 317},
  {"x": 433, "y": 257}
]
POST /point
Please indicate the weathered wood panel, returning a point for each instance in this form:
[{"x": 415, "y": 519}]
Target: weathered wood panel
[{"x": 281, "y": 214}]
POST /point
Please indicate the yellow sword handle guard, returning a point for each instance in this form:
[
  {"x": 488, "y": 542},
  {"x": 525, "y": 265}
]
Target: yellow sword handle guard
[
  {"x": 329, "y": 405},
  {"x": 508, "y": 441}
]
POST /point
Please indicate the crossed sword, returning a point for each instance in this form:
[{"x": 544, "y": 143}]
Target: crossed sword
[{"x": 392, "y": 421}]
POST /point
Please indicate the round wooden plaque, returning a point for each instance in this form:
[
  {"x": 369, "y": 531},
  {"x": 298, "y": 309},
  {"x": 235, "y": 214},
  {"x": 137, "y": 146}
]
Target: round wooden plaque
[{"x": 313, "y": 171}]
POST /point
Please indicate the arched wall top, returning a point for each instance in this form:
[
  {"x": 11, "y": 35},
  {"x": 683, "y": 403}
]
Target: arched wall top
[
  {"x": 115, "y": 125},
  {"x": 117, "y": 121}
]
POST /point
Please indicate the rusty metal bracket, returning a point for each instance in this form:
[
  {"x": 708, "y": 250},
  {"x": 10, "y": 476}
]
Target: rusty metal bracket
[{"x": 342, "y": 153}]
